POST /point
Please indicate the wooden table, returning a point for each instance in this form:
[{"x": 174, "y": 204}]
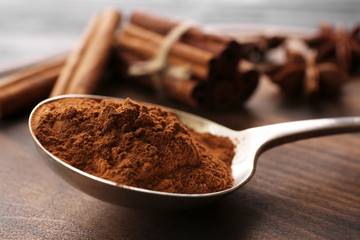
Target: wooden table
[{"x": 305, "y": 190}]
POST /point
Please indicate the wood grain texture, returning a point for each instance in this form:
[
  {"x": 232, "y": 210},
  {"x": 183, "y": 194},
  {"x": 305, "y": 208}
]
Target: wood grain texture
[{"x": 306, "y": 190}]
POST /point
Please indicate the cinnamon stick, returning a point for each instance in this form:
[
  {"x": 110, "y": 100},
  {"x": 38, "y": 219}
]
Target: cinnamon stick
[
  {"x": 25, "y": 88},
  {"x": 148, "y": 49},
  {"x": 208, "y": 40},
  {"x": 189, "y": 91},
  {"x": 181, "y": 50},
  {"x": 224, "y": 48},
  {"x": 87, "y": 61}
]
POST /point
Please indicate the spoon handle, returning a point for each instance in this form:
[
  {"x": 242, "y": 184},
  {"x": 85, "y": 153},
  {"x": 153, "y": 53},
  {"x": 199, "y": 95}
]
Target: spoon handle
[{"x": 277, "y": 134}]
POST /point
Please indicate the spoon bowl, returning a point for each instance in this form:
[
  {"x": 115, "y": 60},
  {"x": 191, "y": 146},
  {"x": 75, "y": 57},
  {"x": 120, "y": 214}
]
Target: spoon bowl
[{"x": 250, "y": 143}]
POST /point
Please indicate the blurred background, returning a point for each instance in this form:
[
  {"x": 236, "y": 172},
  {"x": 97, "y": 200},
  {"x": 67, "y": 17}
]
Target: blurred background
[{"x": 37, "y": 27}]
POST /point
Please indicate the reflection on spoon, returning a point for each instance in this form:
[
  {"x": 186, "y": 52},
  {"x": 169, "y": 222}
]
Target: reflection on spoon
[{"x": 250, "y": 143}]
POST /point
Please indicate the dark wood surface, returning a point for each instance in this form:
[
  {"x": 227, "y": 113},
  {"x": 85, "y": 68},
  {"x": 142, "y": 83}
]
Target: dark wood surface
[{"x": 305, "y": 190}]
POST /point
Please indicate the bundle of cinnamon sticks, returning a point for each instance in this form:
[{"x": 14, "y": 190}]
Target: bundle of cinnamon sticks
[{"x": 215, "y": 80}]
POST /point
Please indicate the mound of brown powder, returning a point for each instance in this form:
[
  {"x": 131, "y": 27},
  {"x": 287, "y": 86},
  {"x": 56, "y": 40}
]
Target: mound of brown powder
[{"x": 134, "y": 144}]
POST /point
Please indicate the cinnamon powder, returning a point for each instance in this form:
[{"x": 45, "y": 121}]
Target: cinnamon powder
[{"x": 134, "y": 144}]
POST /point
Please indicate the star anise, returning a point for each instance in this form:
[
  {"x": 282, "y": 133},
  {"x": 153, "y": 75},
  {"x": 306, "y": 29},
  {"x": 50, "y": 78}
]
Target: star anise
[
  {"x": 301, "y": 76},
  {"x": 337, "y": 45}
]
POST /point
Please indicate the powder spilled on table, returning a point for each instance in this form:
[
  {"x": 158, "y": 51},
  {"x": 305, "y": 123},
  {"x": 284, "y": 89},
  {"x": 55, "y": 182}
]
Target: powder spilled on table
[{"x": 134, "y": 144}]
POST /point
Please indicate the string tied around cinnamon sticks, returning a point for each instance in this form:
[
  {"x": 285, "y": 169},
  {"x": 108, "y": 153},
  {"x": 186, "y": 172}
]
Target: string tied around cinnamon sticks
[{"x": 158, "y": 66}]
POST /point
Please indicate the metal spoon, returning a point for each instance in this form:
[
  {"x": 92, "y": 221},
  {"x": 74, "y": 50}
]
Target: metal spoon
[{"x": 250, "y": 143}]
